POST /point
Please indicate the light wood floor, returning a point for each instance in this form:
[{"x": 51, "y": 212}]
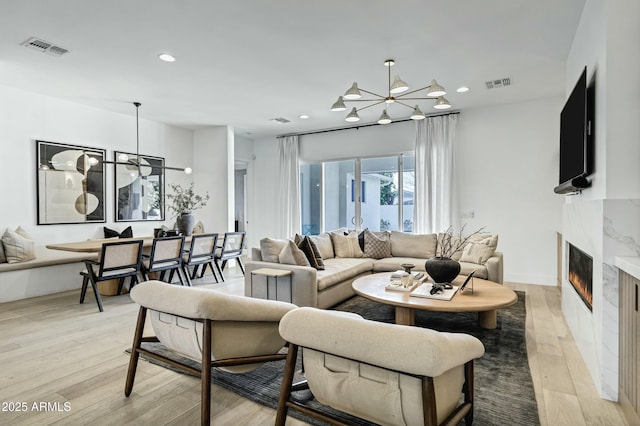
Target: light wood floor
[{"x": 55, "y": 351}]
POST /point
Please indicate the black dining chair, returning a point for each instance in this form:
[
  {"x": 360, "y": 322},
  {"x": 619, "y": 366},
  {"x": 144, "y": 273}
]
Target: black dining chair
[
  {"x": 165, "y": 258},
  {"x": 118, "y": 260},
  {"x": 201, "y": 253},
  {"x": 231, "y": 249}
]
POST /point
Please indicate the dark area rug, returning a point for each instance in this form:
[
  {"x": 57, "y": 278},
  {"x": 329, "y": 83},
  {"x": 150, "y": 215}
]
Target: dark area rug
[{"x": 504, "y": 393}]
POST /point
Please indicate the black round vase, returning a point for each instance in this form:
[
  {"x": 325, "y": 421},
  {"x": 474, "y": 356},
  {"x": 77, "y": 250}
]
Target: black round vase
[{"x": 442, "y": 269}]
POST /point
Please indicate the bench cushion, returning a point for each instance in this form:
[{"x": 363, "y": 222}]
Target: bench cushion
[{"x": 46, "y": 257}]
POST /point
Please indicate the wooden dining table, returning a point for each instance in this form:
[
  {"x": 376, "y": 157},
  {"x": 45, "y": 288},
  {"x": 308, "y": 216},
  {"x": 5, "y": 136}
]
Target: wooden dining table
[{"x": 94, "y": 246}]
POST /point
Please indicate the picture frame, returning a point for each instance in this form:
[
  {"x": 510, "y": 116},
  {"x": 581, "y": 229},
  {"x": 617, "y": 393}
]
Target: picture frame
[
  {"x": 70, "y": 184},
  {"x": 139, "y": 190}
]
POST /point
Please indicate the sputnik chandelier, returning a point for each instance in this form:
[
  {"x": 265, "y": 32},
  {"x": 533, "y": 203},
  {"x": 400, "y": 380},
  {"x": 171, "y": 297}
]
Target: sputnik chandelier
[{"x": 397, "y": 93}]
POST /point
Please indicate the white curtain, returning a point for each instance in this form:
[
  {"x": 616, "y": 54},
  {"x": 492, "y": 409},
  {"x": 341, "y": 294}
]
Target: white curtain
[
  {"x": 434, "y": 186},
  {"x": 289, "y": 189}
]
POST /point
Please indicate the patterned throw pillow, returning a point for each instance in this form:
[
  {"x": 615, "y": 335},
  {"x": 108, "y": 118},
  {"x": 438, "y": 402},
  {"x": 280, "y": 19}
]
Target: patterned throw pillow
[
  {"x": 376, "y": 246},
  {"x": 479, "y": 252},
  {"x": 292, "y": 255},
  {"x": 346, "y": 245},
  {"x": 18, "y": 248},
  {"x": 311, "y": 251}
]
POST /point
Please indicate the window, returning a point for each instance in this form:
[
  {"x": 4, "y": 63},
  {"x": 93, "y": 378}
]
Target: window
[{"x": 385, "y": 185}]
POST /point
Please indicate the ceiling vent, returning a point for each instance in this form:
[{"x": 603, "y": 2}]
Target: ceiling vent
[
  {"x": 44, "y": 47},
  {"x": 501, "y": 82},
  {"x": 281, "y": 120}
]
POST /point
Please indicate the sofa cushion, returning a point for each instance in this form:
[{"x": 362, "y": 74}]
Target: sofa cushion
[
  {"x": 392, "y": 264},
  {"x": 292, "y": 255},
  {"x": 376, "y": 246},
  {"x": 346, "y": 245},
  {"x": 311, "y": 252},
  {"x": 17, "y": 246},
  {"x": 422, "y": 246},
  {"x": 324, "y": 244},
  {"x": 338, "y": 269},
  {"x": 479, "y": 252},
  {"x": 270, "y": 249}
]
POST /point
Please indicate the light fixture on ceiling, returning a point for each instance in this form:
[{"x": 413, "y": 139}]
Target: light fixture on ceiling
[
  {"x": 167, "y": 57},
  {"x": 138, "y": 161},
  {"x": 396, "y": 93}
]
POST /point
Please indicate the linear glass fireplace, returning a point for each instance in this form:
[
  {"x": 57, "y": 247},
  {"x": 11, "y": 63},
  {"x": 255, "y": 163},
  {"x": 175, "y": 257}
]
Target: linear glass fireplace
[{"x": 581, "y": 274}]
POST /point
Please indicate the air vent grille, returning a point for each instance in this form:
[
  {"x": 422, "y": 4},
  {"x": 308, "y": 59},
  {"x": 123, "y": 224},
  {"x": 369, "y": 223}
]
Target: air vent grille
[
  {"x": 501, "y": 82},
  {"x": 281, "y": 120},
  {"x": 42, "y": 46}
]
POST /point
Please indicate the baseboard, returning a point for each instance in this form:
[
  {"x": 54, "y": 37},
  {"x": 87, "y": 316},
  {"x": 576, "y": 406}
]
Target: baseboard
[{"x": 550, "y": 280}]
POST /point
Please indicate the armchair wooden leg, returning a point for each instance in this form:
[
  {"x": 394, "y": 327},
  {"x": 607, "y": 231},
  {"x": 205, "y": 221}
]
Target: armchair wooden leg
[
  {"x": 429, "y": 402},
  {"x": 220, "y": 269},
  {"x": 205, "y": 374},
  {"x": 120, "y": 285},
  {"x": 240, "y": 265},
  {"x": 185, "y": 271},
  {"x": 285, "y": 388},
  {"x": 133, "y": 360},
  {"x": 468, "y": 391}
]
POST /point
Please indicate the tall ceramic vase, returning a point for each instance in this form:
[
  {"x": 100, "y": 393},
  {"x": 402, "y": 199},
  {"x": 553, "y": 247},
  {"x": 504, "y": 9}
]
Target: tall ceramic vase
[
  {"x": 185, "y": 223},
  {"x": 442, "y": 269}
]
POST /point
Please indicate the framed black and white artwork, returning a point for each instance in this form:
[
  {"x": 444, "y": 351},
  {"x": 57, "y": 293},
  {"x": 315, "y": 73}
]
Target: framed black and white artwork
[
  {"x": 70, "y": 183},
  {"x": 139, "y": 187}
]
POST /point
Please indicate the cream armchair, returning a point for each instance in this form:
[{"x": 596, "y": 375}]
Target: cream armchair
[
  {"x": 385, "y": 373},
  {"x": 233, "y": 333}
]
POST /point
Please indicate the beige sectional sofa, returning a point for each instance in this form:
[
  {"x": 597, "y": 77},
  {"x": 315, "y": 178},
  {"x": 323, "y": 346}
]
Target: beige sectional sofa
[{"x": 343, "y": 263}]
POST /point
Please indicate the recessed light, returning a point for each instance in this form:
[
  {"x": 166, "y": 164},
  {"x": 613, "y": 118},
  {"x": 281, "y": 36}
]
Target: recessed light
[
  {"x": 304, "y": 116},
  {"x": 166, "y": 57},
  {"x": 462, "y": 89}
]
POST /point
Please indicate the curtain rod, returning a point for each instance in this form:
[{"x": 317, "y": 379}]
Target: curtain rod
[{"x": 362, "y": 125}]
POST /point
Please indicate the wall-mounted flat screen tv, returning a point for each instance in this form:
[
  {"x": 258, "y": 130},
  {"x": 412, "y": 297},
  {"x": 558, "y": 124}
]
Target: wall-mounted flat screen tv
[{"x": 575, "y": 152}]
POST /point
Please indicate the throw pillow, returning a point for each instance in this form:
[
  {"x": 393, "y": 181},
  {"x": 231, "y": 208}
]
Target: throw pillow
[
  {"x": 311, "y": 251},
  {"x": 111, "y": 233},
  {"x": 292, "y": 255},
  {"x": 376, "y": 246},
  {"x": 271, "y": 248},
  {"x": 346, "y": 245},
  {"x": 324, "y": 244},
  {"x": 199, "y": 228},
  {"x": 18, "y": 248},
  {"x": 421, "y": 246},
  {"x": 3, "y": 258},
  {"x": 479, "y": 252}
]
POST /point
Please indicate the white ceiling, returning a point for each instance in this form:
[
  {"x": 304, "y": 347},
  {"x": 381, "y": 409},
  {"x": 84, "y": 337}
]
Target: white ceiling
[{"x": 242, "y": 63}]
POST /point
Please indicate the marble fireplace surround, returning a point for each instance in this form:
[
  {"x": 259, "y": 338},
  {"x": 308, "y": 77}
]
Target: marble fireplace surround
[{"x": 604, "y": 230}]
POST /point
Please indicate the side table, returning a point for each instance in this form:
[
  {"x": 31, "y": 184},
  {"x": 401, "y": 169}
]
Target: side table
[{"x": 271, "y": 291}]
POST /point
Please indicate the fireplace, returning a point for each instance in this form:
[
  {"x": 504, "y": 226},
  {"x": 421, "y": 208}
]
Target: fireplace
[{"x": 581, "y": 274}]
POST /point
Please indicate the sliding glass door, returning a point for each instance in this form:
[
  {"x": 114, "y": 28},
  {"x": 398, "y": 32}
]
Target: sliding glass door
[{"x": 374, "y": 193}]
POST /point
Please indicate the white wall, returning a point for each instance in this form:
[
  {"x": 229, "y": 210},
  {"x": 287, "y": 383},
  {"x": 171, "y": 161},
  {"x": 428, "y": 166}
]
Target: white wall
[
  {"x": 494, "y": 147},
  {"x": 506, "y": 168},
  {"x": 26, "y": 117}
]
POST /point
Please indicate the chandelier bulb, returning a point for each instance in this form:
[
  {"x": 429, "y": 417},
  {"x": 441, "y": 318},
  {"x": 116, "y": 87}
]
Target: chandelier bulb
[
  {"x": 417, "y": 114},
  {"x": 353, "y": 116},
  {"x": 436, "y": 90},
  {"x": 353, "y": 92},
  {"x": 339, "y": 105},
  {"x": 398, "y": 85},
  {"x": 384, "y": 118},
  {"x": 442, "y": 103}
]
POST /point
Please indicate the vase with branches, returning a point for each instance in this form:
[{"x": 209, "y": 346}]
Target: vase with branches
[
  {"x": 442, "y": 268},
  {"x": 182, "y": 202}
]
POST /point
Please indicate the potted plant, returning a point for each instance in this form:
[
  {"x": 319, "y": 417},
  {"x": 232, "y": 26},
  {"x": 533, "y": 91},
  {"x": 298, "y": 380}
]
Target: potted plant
[
  {"x": 442, "y": 268},
  {"x": 182, "y": 202}
]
